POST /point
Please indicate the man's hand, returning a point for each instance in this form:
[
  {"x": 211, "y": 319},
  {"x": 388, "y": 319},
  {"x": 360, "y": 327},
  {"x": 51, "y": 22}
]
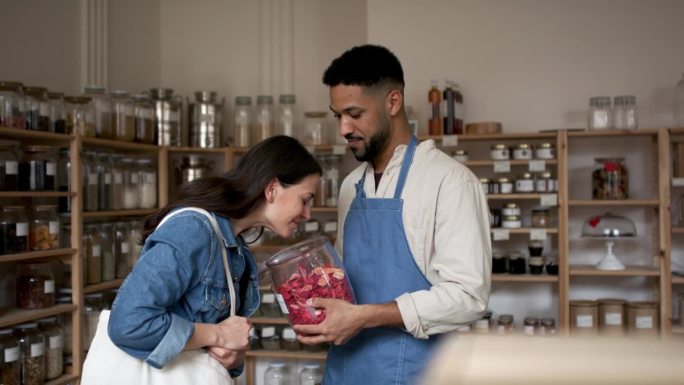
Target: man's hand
[
  {"x": 229, "y": 359},
  {"x": 343, "y": 321}
]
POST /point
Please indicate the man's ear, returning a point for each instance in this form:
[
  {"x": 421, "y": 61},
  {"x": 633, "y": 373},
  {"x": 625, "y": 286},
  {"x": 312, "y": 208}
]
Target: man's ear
[{"x": 394, "y": 100}]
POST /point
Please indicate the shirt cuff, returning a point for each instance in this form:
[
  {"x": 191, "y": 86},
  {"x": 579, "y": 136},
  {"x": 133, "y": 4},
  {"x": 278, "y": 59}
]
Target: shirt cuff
[
  {"x": 236, "y": 372},
  {"x": 173, "y": 342},
  {"x": 409, "y": 315}
]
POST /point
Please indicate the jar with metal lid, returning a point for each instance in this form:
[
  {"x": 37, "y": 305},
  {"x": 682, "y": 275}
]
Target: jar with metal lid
[
  {"x": 92, "y": 250},
  {"x": 54, "y": 341},
  {"x": 270, "y": 340},
  {"x": 35, "y": 286},
  {"x": 311, "y": 375},
  {"x": 64, "y": 296},
  {"x": 505, "y": 186},
  {"x": 531, "y": 326},
  {"x": 610, "y": 179},
  {"x": 625, "y": 112},
  {"x": 107, "y": 254},
  {"x": 482, "y": 326},
  {"x": 11, "y": 105},
  {"x": 541, "y": 217},
  {"x": 611, "y": 318},
  {"x": 89, "y": 166},
  {"x": 264, "y": 118},
  {"x": 122, "y": 249},
  {"x": 123, "y": 118},
  {"x": 37, "y": 109},
  {"x": 14, "y": 229},
  {"x": 32, "y": 343},
  {"x": 499, "y": 262},
  {"x": 315, "y": 132},
  {"x": 583, "y": 318},
  {"x": 545, "y": 151},
  {"x": 504, "y": 324},
  {"x": 485, "y": 185},
  {"x": 460, "y": 155},
  {"x": 131, "y": 184},
  {"x": 93, "y": 307},
  {"x": 117, "y": 191},
  {"x": 148, "y": 183},
  {"x": 536, "y": 265},
  {"x": 10, "y": 355},
  {"x": 524, "y": 183},
  {"x": 278, "y": 373},
  {"x": 522, "y": 151},
  {"x": 287, "y": 112},
  {"x": 600, "y": 115},
  {"x": 511, "y": 222},
  {"x": 643, "y": 319},
  {"x": 44, "y": 228},
  {"x": 547, "y": 327},
  {"x": 500, "y": 152},
  {"x": 143, "y": 116},
  {"x": 544, "y": 183},
  {"x": 103, "y": 168},
  {"x": 167, "y": 116},
  {"x": 290, "y": 340},
  {"x": 193, "y": 167},
  {"x": 38, "y": 169},
  {"x": 103, "y": 111},
  {"x": 242, "y": 121},
  {"x": 206, "y": 120},
  {"x": 516, "y": 263},
  {"x": 80, "y": 115},
  {"x": 58, "y": 112},
  {"x": 9, "y": 168}
]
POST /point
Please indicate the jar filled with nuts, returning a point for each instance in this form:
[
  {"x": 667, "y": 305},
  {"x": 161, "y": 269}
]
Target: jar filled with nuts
[
  {"x": 54, "y": 344},
  {"x": 35, "y": 286},
  {"x": 44, "y": 228},
  {"x": 32, "y": 343}
]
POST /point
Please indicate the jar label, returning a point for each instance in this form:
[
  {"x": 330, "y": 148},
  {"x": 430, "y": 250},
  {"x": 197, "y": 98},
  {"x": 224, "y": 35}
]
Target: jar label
[
  {"x": 613, "y": 319},
  {"x": 22, "y": 229},
  {"x": 49, "y": 286},
  {"x": 549, "y": 200},
  {"x": 311, "y": 226},
  {"x": 11, "y": 354},
  {"x": 537, "y": 165},
  {"x": 92, "y": 179},
  {"x": 330, "y": 227},
  {"x": 585, "y": 321},
  {"x": 524, "y": 185},
  {"x": 281, "y": 302},
  {"x": 53, "y": 227},
  {"x": 50, "y": 168},
  {"x": 644, "y": 322},
  {"x": 108, "y": 178},
  {"x": 11, "y": 167},
  {"x": 449, "y": 140},
  {"x": 500, "y": 235},
  {"x": 97, "y": 250},
  {"x": 118, "y": 178},
  {"x": 38, "y": 349},
  {"x": 538, "y": 234},
  {"x": 522, "y": 154},
  {"x": 56, "y": 342},
  {"x": 125, "y": 248},
  {"x": 502, "y": 166}
]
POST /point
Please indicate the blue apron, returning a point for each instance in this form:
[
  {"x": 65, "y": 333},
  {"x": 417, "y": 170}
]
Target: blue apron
[{"x": 381, "y": 267}]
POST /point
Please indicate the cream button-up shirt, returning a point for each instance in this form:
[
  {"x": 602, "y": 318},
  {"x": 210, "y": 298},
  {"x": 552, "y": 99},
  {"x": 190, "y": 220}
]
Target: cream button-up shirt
[{"x": 446, "y": 221}]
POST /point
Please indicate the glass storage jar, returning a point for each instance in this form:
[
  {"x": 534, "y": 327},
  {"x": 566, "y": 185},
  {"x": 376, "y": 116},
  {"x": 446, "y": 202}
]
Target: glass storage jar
[
  {"x": 524, "y": 183},
  {"x": 103, "y": 167},
  {"x": 460, "y": 155},
  {"x": 32, "y": 343},
  {"x": 610, "y": 179},
  {"x": 287, "y": 113},
  {"x": 92, "y": 249},
  {"x": 331, "y": 172},
  {"x": 143, "y": 113},
  {"x": 122, "y": 250},
  {"x": 314, "y": 128},
  {"x": 44, "y": 228},
  {"x": 9, "y": 168},
  {"x": 540, "y": 217},
  {"x": 148, "y": 184},
  {"x": 600, "y": 115},
  {"x": 35, "y": 286},
  {"x": 511, "y": 209},
  {"x": 531, "y": 326},
  {"x": 624, "y": 112},
  {"x": 242, "y": 121},
  {"x": 330, "y": 229},
  {"x": 495, "y": 218},
  {"x": 516, "y": 263},
  {"x": 167, "y": 116},
  {"x": 117, "y": 198},
  {"x": 536, "y": 265},
  {"x": 89, "y": 167},
  {"x": 10, "y": 354},
  {"x": 269, "y": 338},
  {"x": 134, "y": 233},
  {"x": 14, "y": 230},
  {"x": 54, "y": 347},
  {"x": 64, "y": 179},
  {"x": 38, "y": 169},
  {"x": 80, "y": 115},
  {"x": 505, "y": 186},
  {"x": 37, "y": 109},
  {"x": 522, "y": 151},
  {"x": 278, "y": 373},
  {"x": 543, "y": 183},
  {"x": 269, "y": 307},
  {"x": 643, "y": 319},
  {"x": 547, "y": 327},
  {"x": 536, "y": 248},
  {"x": 107, "y": 253},
  {"x": 499, "y": 262},
  {"x": 583, "y": 318},
  {"x": 11, "y": 105},
  {"x": 264, "y": 127},
  {"x": 545, "y": 151},
  {"x": 58, "y": 112},
  {"x": 311, "y": 375},
  {"x": 290, "y": 341},
  {"x": 504, "y": 324},
  {"x": 511, "y": 222},
  {"x": 93, "y": 307},
  {"x": 500, "y": 151},
  {"x": 131, "y": 184},
  {"x": 123, "y": 119},
  {"x": 64, "y": 319},
  {"x": 103, "y": 111},
  {"x": 485, "y": 185}
]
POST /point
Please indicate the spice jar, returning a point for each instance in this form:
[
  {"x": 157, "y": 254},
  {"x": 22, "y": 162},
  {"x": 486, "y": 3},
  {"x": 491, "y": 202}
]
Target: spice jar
[
  {"x": 123, "y": 119},
  {"x": 511, "y": 222},
  {"x": 600, "y": 116},
  {"x": 103, "y": 167},
  {"x": 93, "y": 307},
  {"x": 32, "y": 344},
  {"x": 531, "y": 326},
  {"x": 44, "y": 228},
  {"x": 107, "y": 241},
  {"x": 583, "y": 318},
  {"x": 540, "y": 217},
  {"x": 504, "y": 324},
  {"x": 92, "y": 248},
  {"x": 134, "y": 231},
  {"x": 500, "y": 152},
  {"x": 536, "y": 265},
  {"x": 505, "y": 186},
  {"x": 103, "y": 111},
  {"x": 14, "y": 230},
  {"x": 522, "y": 151},
  {"x": 38, "y": 169},
  {"x": 9, "y": 168},
  {"x": 545, "y": 151},
  {"x": 499, "y": 262},
  {"x": 611, "y": 316},
  {"x": 80, "y": 116},
  {"x": 10, "y": 354},
  {"x": 269, "y": 339},
  {"x": 524, "y": 183},
  {"x": 510, "y": 209},
  {"x": 460, "y": 155},
  {"x": 89, "y": 174},
  {"x": 536, "y": 248},
  {"x": 122, "y": 250},
  {"x": 269, "y": 307},
  {"x": 167, "y": 116},
  {"x": 643, "y": 319},
  {"x": 624, "y": 112},
  {"x": 58, "y": 112},
  {"x": 264, "y": 127},
  {"x": 11, "y": 105},
  {"x": 485, "y": 185},
  {"x": 314, "y": 128},
  {"x": 37, "y": 109},
  {"x": 54, "y": 341},
  {"x": 148, "y": 184},
  {"x": 516, "y": 263},
  {"x": 290, "y": 340},
  {"x": 35, "y": 286},
  {"x": 143, "y": 115},
  {"x": 242, "y": 121},
  {"x": 610, "y": 179},
  {"x": 547, "y": 327}
]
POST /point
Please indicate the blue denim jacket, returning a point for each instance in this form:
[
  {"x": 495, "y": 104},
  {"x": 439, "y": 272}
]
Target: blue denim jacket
[{"x": 179, "y": 280}]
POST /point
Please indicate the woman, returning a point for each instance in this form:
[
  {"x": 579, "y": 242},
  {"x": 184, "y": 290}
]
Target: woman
[{"x": 178, "y": 300}]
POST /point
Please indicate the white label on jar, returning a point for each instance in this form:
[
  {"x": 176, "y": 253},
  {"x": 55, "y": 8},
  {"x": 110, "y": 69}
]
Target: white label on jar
[
  {"x": 53, "y": 227},
  {"x": 281, "y": 302},
  {"x": 511, "y": 224},
  {"x": 11, "y": 167},
  {"x": 267, "y": 331},
  {"x": 449, "y": 140},
  {"x": 125, "y": 248},
  {"x": 544, "y": 153},
  {"x": 502, "y": 166},
  {"x": 135, "y": 178},
  {"x": 108, "y": 178},
  {"x": 311, "y": 226},
  {"x": 613, "y": 319},
  {"x": 500, "y": 235},
  {"x": 118, "y": 177},
  {"x": 38, "y": 349},
  {"x": 537, "y": 234},
  {"x": 585, "y": 321},
  {"x": 524, "y": 185},
  {"x": 330, "y": 227},
  {"x": 22, "y": 229},
  {"x": 549, "y": 200},
  {"x": 529, "y": 330},
  {"x": 11, "y": 354},
  {"x": 522, "y": 154},
  {"x": 500, "y": 154},
  {"x": 506, "y": 188},
  {"x": 645, "y": 322},
  {"x": 97, "y": 250},
  {"x": 92, "y": 179},
  {"x": 49, "y": 286},
  {"x": 540, "y": 185},
  {"x": 339, "y": 149},
  {"x": 537, "y": 165},
  {"x": 50, "y": 168},
  {"x": 56, "y": 342}
]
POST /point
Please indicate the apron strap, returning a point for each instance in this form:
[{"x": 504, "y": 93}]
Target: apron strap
[{"x": 405, "y": 165}]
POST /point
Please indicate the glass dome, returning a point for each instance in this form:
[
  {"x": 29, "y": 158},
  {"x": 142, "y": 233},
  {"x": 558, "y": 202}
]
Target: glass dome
[{"x": 608, "y": 226}]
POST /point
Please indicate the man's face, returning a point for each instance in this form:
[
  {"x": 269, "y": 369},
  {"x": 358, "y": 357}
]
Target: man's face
[{"x": 363, "y": 121}]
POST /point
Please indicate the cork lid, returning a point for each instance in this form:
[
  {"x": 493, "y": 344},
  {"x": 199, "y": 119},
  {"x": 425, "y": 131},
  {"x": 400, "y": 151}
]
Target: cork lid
[
  {"x": 643, "y": 304},
  {"x": 583, "y": 303}
]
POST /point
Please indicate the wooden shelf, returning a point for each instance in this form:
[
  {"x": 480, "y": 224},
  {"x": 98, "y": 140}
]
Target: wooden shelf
[
  {"x": 677, "y": 280},
  {"x": 197, "y": 150},
  {"x": 118, "y": 213},
  {"x": 269, "y": 320},
  {"x": 513, "y": 162},
  {"x": 525, "y": 230},
  {"x": 678, "y": 330},
  {"x": 678, "y": 230},
  {"x": 36, "y": 194},
  {"x": 18, "y": 316},
  {"x": 63, "y": 379},
  {"x": 495, "y": 137},
  {"x": 118, "y": 145},
  {"x": 630, "y": 271},
  {"x": 285, "y": 354},
  {"x": 614, "y": 133},
  {"x": 324, "y": 209},
  {"x": 514, "y": 196},
  {"x": 319, "y": 148},
  {"x": 102, "y": 286},
  {"x": 677, "y": 130},
  {"x": 36, "y": 255},
  {"x": 21, "y": 134},
  {"x": 524, "y": 278},
  {"x": 614, "y": 202}
]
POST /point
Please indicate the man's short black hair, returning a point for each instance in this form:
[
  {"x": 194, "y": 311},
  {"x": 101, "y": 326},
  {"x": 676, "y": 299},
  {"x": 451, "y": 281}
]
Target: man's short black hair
[{"x": 365, "y": 65}]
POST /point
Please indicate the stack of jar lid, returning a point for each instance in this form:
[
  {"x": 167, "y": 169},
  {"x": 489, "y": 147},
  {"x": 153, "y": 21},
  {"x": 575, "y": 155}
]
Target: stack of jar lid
[
  {"x": 523, "y": 151},
  {"x": 614, "y": 317},
  {"x": 509, "y": 217},
  {"x": 542, "y": 182}
]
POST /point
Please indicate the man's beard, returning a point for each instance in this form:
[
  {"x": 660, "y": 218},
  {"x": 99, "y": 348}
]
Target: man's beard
[{"x": 375, "y": 145}]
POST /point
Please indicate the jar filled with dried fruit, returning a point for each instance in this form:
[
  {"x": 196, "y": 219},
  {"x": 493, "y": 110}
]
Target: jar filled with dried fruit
[
  {"x": 10, "y": 354},
  {"x": 13, "y": 230},
  {"x": 35, "y": 286},
  {"x": 32, "y": 343},
  {"x": 54, "y": 341},
  {"x": 610, "y": 179},
  {"x": 44, "y": 228}
]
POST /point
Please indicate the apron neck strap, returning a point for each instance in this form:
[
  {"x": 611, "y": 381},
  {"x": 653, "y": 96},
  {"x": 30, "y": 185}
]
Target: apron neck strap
[{"x": 405, "y": 165}]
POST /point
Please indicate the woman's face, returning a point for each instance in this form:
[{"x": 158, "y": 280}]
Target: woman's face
[{"x": 291, "y": 205}]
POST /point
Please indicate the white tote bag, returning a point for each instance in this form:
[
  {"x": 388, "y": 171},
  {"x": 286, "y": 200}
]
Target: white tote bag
[{"x": 107, "y": 364}]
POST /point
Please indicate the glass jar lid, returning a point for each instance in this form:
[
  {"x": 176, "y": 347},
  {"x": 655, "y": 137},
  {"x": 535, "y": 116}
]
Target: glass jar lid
[
  {"x": 243, "y": 100},
  {"x": 526, "y": 175},
  {"x": 460, "y": 152},
  {"x": 583, "y": 303},
  {"x": 55, "y": 95},
  {"x": 11, "y": 86},
  {"x": 511, "y": 218},
  {"x": 264, "y": 99},
  {"x": 548, "y": 321},
  {"x": 511, "y": 205},
  {"x": 287, "y": 99},
  {"x": 36, "y": 91},
  {"x": 545, "y": 145},
  {"x": 484, "y": 180},
  {"x": 546, "y": 175},
  {"x": 515, "y": 255},
  {"x": 531, "y": 321},
  {"x": 504, "y": 180},
  {"x": 522, "y": 146},
  {"x": 499, "y": 146},
  {"x": 298, "y": 251}
]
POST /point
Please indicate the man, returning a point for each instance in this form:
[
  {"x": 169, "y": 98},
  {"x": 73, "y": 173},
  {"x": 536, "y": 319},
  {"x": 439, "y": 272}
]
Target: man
[{"x": 414, "y": 235}]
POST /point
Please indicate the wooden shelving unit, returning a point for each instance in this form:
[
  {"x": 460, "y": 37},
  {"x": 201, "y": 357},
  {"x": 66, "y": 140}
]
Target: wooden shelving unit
[
  {"x": 290, "y": 355},
  {"x": 513, "y": 197},
  {"x": 35, "y": 194},
  {"x": 677, "y": 280},
  {"x": 526, "y": 230},
  {"x": 524, "y": 278},
  {"x": 118, "y": 213},
  {"x": 490, "y": 163},
  {"x": 34, "y": 255},
  {"x": 629, "y": 271},
  {"x": 607, "y": 202},
  {"x": 17, "y": 316}
]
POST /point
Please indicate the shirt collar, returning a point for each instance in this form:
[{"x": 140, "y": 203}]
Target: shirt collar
[{"x": 229, "y": 238}]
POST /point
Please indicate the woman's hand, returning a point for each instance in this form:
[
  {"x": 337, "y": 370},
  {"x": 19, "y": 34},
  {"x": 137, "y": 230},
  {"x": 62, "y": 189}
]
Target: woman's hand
[
  {"x": 229, "y": 359},
  {"x": 233, "y": 333}
]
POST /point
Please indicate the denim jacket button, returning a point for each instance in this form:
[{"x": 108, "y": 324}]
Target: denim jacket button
[{"x": 223, "y": 300}]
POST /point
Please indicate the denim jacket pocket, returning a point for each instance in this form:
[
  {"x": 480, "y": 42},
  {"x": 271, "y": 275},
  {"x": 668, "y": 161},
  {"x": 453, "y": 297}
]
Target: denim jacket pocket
[{"x": 217, "y": 297}]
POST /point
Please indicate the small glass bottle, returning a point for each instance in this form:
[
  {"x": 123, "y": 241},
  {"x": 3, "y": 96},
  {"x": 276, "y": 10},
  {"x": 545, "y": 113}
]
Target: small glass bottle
[
  {"x": 242, "y": 121},
  {"x": 122, "y": 250},
  {"x": 143, "y": 112},
  {"x": 54, "y": 341},
  {"x": 37, "y": 112},
  {"x": 90, "y": 182},
  {"x": 108, "y": 259},
  {"x": 314, "y": 128},
  {"x": 10, "y": 354},
  {"x": 286, "y": 115},
  {"x": 11, "y": 105},
  {"x": 9, "y": 168},
  {"x": 104, "y": 182},
  {"x": 264, "y": 118},
  {"x": 278, "y": 373},
  {"x": 103, "y": 111},
  {"x": 134, "y": 236},
  {"x": 64, "y": 319},
  {"x": 311, "y": 375},
  {"x": 80, "y": 116},
  {"x": 93, "y": 307},
  {"x": 32, "y": 344},
  {"x": 44, "y": 228},
  {"x": 14, "y": 229},
  {"x": 600, "y": 115},
  {"x": 58, "y": 112},
  {"x": 148, "y": 184},
  {"x": 38, "y": 169},
  {"x": 92, "y": 250}
]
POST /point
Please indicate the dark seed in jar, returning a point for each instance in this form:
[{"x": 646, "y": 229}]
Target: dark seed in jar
[{"x": 31, "y": 292}]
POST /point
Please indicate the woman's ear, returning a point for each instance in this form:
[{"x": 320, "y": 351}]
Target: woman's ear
[{"x": 271, "y": 189}]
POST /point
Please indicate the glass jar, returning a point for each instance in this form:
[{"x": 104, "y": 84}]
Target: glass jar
[
  {"x": 547, "y": 327},
  {"x": 58, "y": 112},
  {"x": 511, "y": 209},
  {"x": 600, "y": 116},
  {"x": 134, "y": 236},
  {"x": 611, "y": 316},
  {"x": 37, "y": 109},
  {"x": 131, "y": 184},
  {"x": 9, "y": 168},
  {"x": 332, "y": 174},
  {"x": 103, "y": 168},
  {"x": 10, "y": 354},
  {"x": 536, "y": 248},
  {"x": 102, "y": 111},
  {"x": 44, "y": 228},
  {"x": 206, "y": 120},
  {"x": 494, "y": 187},
  {"x": 290, "y": 340},
  {"x": 242, "y": 121},
  {"x": 11, "y": 105},
  {"x": 516, "y": 263},
  {"x": 545, "y": 151},
  {"x": 460, "y": 155},
  {"x": 93, "y": 307},
  {"x": 80, "y": 115},
  {"x": 505, "y": 186},
  {"x": 122, "y": 250},
  {"x": 269, "y": 338},
  {"x": 540, "y": 217},
  {"x": 610, "y": 179},
  {"x": 64, "y": 179},
  {"x": 536, "y": 265},
  {"x": 500, "y": 152},
  {"x": 485, "y": 185},
  {"x": 54, "y": 341},
  {"x": 499, "y": 262},
  {"x": 264, "y": 118},
  {"x": 311, "y": 375},
  {"x": 524, "y": 183},
  {"x": 64, "y": 319},
  {"x": 278, "y": 373},
  {"x": 90, "y": 179},
  {"x": 35, "y": 286},
  {"x": 314, "y": 128},
  {"x": 143, "y": 114},
  {"x": 482, "y": 326},
  {"x": 330, "y": 229},
  {"x": 522, "y": 151},
  {"x": 148, "y": 184},
  {"x": 38, "y": 169},
  {"x": 504, "y": 324},
  {"x": 286, "y": 115},
  {"x": 107, "y": 254},
  {"x": 32, "y": 343},
  {"x": 544, "y": 183},
  {"x": 551, "y": 265},
  {"x": 269, "y": 307},
  {"x": 122, "y": 116},
  {"x": 167, "y": 116},
  {"x": 495, "y": 218},
  {"x": 92, "y": 250},
  {"x": 511, "y": 222},
  {"x": 14, "y": 230},
  {"x": 254, "y": 343},
  {"x": 583, "y": 318},
  {"x": 624, "y": 112},
  {"x": 531, "y": 326},
  {"x": 117, "y": 198}
]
